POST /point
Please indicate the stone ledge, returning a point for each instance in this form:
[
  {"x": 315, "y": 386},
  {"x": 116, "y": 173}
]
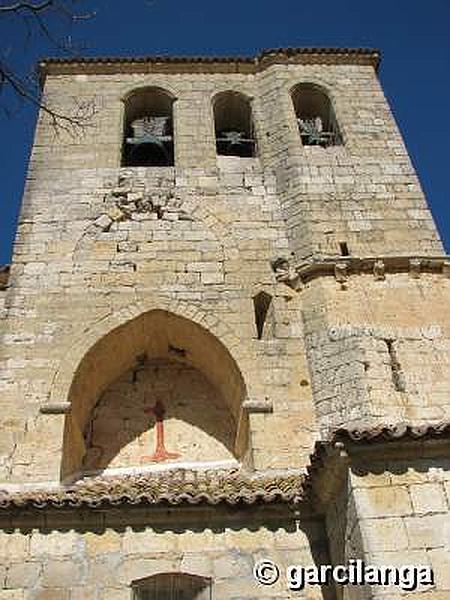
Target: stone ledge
[
  {"x": 252, "y": 405},
  {"x": 55, "y": 408}
]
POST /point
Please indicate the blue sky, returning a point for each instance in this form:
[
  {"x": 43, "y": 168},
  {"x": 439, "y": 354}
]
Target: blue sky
[{"x": 413, "y": 35}]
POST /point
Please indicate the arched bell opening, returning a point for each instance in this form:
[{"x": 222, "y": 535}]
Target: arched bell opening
[
  {"x": 148, "y": 129},
  {"x": 159, "y": 389},
  {"x": 234, "y": 125},
  {"x": 315, "y": 116}
]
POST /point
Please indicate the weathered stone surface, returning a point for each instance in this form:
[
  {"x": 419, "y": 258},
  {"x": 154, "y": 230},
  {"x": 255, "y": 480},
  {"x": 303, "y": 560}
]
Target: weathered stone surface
[{"x": 135, "y": 285}]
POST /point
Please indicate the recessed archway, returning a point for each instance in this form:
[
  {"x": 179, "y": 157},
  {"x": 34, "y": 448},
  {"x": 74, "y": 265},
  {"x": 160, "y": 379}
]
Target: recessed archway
[{"x": 154, "y": 337}]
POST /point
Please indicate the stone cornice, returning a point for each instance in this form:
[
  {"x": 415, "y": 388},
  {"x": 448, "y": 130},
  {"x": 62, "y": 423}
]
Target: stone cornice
[
  {"x": 209, "y": 64},
  {"x": 341, "y": 268}
]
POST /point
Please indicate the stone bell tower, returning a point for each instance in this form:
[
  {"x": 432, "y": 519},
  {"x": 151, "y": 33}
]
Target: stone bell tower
[{"x": 225, "y": 336}]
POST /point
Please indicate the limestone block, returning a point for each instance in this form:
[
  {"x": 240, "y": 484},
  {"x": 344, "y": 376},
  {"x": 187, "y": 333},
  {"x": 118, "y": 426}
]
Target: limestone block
[
  {"x": 138, "y": 568},
  {"x": 102, "y": 543},
  {"x": 384, "y": 534},
  {"x": 440, "y": 562},
  {"x": 198, "y": 563},
  {"x": 111, "y": 593},
  {"x": 54, "y": 544},
  {"x": 234, "y": 564},
  {"x": 145, "y": 542},
  {"x": 15, "y": 595},
  {"x": 52, "y": 594},
  {"x": 428, "y": 531},
  {"x": 81, "y": 593},
  {"x": 383, "y": 502},
  {"x": 104, "y": 568},
  {"x": 15, "y": 545},
  {"x": 428, "y": 498},
  {"x": 62, "y": 573},
  {"x": 23, "y": 575}
]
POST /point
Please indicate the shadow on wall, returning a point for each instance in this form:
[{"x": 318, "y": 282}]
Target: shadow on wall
[{"x": 159, "y": 398}]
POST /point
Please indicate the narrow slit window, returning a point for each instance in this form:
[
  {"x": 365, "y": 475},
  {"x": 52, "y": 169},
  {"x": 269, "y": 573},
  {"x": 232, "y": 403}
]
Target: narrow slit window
[
  {"x": 148, "y": 129},
  {"x": 172, "y": 586},
  {"x": 262, "y": 303},
  {"x": 234, "y": 125},
  {"x": 315, "y": 116},
  {"x": 343, "y": 247}
]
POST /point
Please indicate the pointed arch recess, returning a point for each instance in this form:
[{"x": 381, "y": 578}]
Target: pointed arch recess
[{"x": 157, "y": 334}]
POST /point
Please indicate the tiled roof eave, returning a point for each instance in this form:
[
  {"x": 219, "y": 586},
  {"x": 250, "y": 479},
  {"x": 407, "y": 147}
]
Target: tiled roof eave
[
  {"x": 104, "y": 64},
  {"x": 170, "y": 490},
  {"x": 392, "y": 433},
  {"x": 344, "y": 443}
]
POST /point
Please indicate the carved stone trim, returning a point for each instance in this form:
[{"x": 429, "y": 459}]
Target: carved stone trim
[
  {"x": 379, "y": 270},
  {"x": 4, "y": 276},
  {"x": 415, "y": 265},
  {"x": 341, "y": 272},
  {"x": 378, "y": 266},
  {"x": 446, "y": 269}
]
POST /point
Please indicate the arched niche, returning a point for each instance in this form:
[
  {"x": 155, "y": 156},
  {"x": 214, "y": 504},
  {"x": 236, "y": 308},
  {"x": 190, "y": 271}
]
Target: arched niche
[
  {"x": 233, "y": 125},
  {"x": 315, "y": 116},
  {"x": 156, "y": 339},
  {"x": 148, "y": 139}
]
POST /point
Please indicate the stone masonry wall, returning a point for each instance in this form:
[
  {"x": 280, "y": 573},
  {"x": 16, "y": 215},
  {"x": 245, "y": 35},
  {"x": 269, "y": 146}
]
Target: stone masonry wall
[
  {"x": 394, "y": 511},
  {"x": 100, "y": 247},
  {"x": 79, "y": 261},
  {"x": 364, "y": 192},
  {"x": 199, "y": 239},
  {"x": 102, "y": 564},
  {"x": 377, "y": 352}
]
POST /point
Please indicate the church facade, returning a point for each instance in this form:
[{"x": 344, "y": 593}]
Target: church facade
[{"x": 225, "y": 349}]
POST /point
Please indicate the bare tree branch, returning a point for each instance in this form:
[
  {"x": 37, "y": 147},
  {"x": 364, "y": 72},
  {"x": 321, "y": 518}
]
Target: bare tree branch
[
  {"x": 52, "y": 21},
  {"x": 72, "y": 123},
  {"x": 26, "y": 6}
]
